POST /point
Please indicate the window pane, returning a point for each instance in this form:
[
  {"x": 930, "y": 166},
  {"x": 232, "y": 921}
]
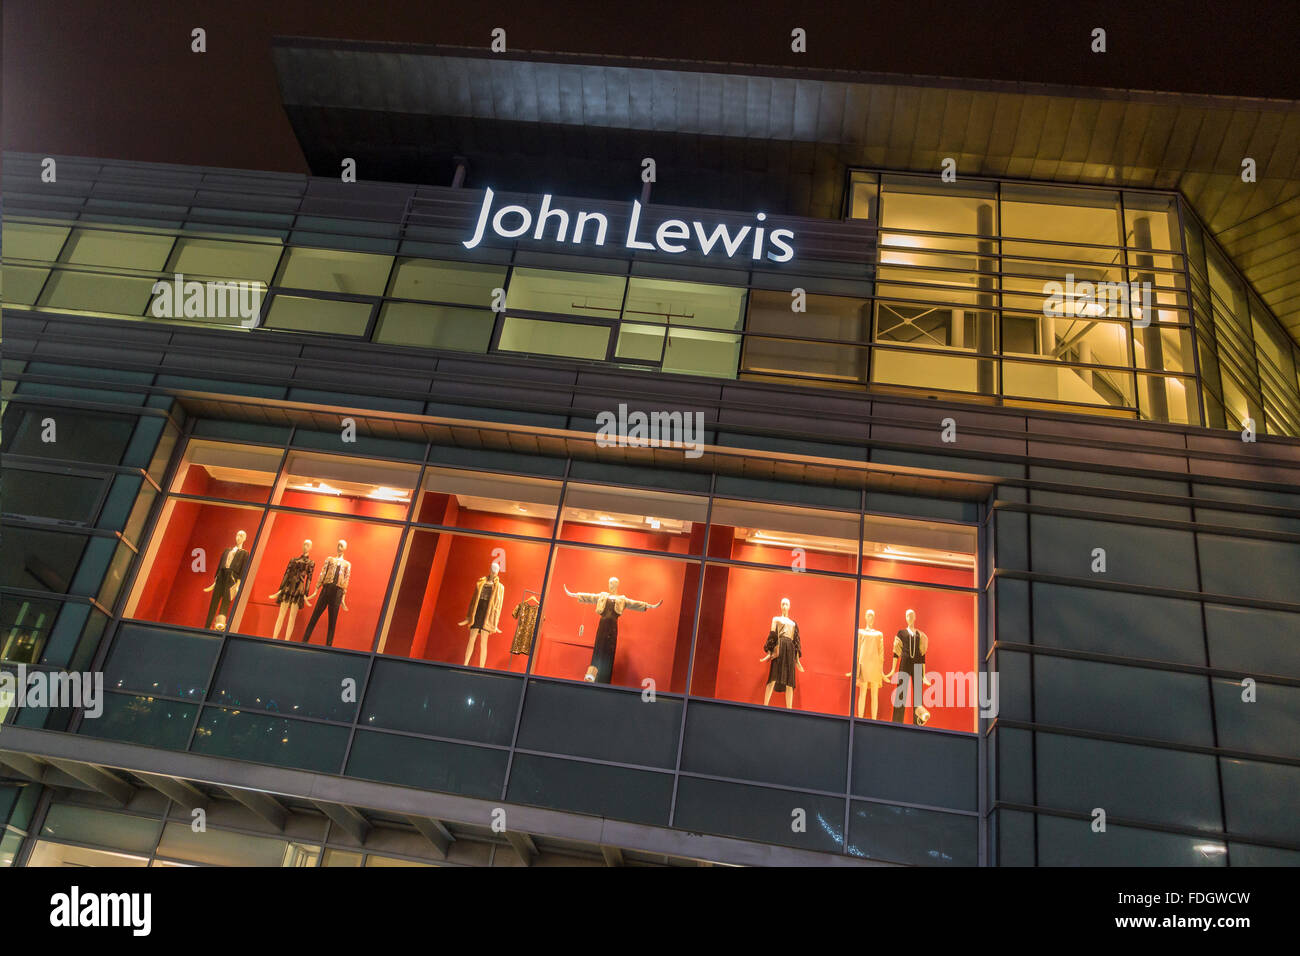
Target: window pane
[
  {"x": 1069, "y": 215},
  {"x": 826, "y": 316},
  {"x": 22, "y": 285},
  {"x": 348, "y": 486},
  {"x": 827, "y": 361},
  {"x": 566, "y": 293},
  {"x": 1163, "y": 349},
  {"x": 566, "y": 339},
  {"x": 236, "y": 260},
  {"x": 93, "y": 292},
  {"x": 215, "y": 470},
  {"x": 124, "y": 250},
  {"x": 447, "y": 607},
  {"x": 123, "y": 831},
  {"x": 458, "y": 283},
  {"x": 39, "y": 560},
  {"x": 1151, "y": 222},
  {"x": 630, "y": 518},
  {"x": 741, "y": 607},
  {"x": 24, "y": 628},
  {"x": 24, "y": 240},
  {"x": 46, "y": 494},
  {"x": 668, "y": 302},
  {"x": 783, "y": 536},
  {"x": 692, "y": 352},
  {"x": 195, "y": 545},
  {"x": 933, "y": 370},
  {"x": 1168, "y": 399},
  {"x": 767, "y": 746},
  {"x": 1067, "y": 339},
  {"x": 1067, "y": 384},
  {"x": 296, "y": 313},
  {"x": 224, "y": 848},
  {"x": 626, "y": 618},
  {"x": 435, "y": 326},
  {"x": 353, "y": 273},
  {"x": 923, "y": 204},
  {"x": 601, "y": 723},
  {"x": 488, "y": 502},
  {"x": 275, "y": 740},
  {"x": 928, "y": 552},
  {"x": 341, "y": 566}
]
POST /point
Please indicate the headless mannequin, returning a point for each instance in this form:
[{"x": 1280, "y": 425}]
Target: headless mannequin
[
  {"x": 228, "y": 578},
  {"x": 481, "y": 634},
  {"x": 334, "y": 594},
  {"x": 908, "y": 690},
  {"x": 871, "y": 658},
  {"x": 781, "y": 622},
  {"x": 602, "y": 656},
  {"x": 289, "y": 608}
]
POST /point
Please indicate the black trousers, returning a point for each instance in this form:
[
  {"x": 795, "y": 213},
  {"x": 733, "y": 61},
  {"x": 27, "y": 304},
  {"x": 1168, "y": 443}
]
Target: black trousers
[
  {"x": 220, "y": 603},
  {"x": 908, "y": 687},
  {"x": 331, "y": 596}
]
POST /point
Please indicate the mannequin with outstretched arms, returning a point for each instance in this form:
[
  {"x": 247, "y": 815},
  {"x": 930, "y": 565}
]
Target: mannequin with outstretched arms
[{"x": 610, "y": 605}]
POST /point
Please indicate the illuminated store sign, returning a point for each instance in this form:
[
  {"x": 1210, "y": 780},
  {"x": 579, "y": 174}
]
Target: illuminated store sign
[{"x": 671, "y": 235}]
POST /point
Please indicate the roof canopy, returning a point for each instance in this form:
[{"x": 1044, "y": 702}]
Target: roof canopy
[{"x": 753, "y": 137}]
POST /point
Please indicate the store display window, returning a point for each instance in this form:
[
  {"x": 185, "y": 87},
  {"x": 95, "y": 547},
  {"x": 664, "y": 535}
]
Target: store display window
[
  {"x": 618, "y": 618},
  {"x": 348, "y": 486},
  {"x": 776, "y": 637},
  {"x": 195, "y": 564},
  {"x": 928, "y": 632},
  {"x": 500, "y": 504},
  {"x": 235, "y": 472},
  {"x": 319, "y": 579},
  {"x": 795, "y": 538},
  {"x": 634, "y": 518},
  {"x": 467, "y": 599},
  {"x": 765, "y": 604},
  {"x": 929, "y": 552}
]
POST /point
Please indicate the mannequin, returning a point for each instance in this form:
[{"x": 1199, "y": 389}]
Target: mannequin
[
  {"x": 610, "y": 605},
  {"x": 332, "y": 586},
  {"x": 484, "y": 613},
  {"x": 783, "y": 650},
  {"x": 293, "y": 590},
  {"x": 230, "y": 571},
  {"x": 910, "y": 645},
  {"x": 871, "y": 663}
]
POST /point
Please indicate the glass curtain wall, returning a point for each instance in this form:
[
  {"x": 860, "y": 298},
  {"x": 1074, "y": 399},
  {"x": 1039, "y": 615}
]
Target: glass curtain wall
[
  {"x": 759, "y": 603},
  {"x": 1069, "y": 298}
]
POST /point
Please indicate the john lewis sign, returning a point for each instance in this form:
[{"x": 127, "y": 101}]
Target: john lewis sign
[{"x": 670, "y": 236}]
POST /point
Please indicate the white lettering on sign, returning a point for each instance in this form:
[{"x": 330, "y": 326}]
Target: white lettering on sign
[{"x": 672, "y": 235}]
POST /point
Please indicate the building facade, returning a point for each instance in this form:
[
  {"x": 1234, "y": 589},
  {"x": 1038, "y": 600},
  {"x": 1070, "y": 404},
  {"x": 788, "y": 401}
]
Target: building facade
[{"x": 541, "y": 518}]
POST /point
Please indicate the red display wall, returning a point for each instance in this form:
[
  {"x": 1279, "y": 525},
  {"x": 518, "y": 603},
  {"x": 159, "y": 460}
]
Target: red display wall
[
  {"x": 198, "y": 481},
  {"x": 372, "y": 549},
  {"x": 437, "y": 587},
  {"x": 948, "y": 619},
  {"x": 170, "y": 591},
  {"x": 650, "y": 644},
  {"x": 736, "y": 616}
]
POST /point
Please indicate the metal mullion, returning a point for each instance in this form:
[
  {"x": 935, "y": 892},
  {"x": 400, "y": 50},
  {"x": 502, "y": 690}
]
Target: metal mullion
[
  {"x": 690, "y": 662},
  {"x": 526, "y": 676},
  {"x": 853, "y": 669}
]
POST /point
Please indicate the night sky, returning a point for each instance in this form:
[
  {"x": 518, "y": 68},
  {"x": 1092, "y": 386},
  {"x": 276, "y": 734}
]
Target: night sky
[{"x": 118, "y": 80}]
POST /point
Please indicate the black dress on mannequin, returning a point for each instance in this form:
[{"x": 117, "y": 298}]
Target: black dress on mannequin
[
  {"x": 911, "y": 668},
  {"x": 783, "y": 639}
]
